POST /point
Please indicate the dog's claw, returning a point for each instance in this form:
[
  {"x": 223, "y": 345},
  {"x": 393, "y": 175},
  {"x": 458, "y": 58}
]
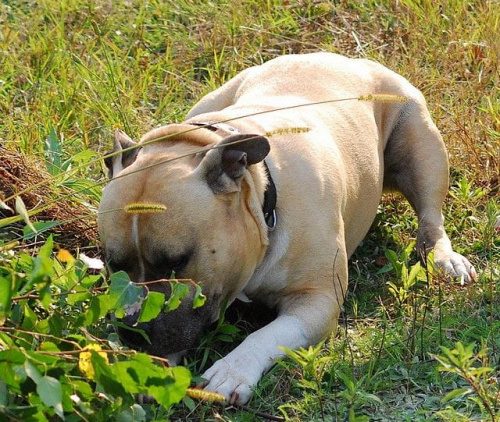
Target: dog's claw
[
  {"x": 457, "y": 266},
  {"x": 229, "y": 381}
]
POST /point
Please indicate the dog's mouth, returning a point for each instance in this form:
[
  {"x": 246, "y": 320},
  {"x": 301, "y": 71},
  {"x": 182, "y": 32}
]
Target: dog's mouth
[
  {"x": 171, "y": 332},
  {"x": 165, "y": 335}
]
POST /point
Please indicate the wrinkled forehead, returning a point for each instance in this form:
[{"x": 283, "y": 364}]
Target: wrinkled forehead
[
  {"x": 155, "y": 169},
  {"x": 156, "y": 193},
  {"x": 180, "y": 133}
]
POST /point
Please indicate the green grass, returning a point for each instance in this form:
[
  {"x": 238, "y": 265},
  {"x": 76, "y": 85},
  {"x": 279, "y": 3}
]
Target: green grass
[{"x": 72, "y": 71}]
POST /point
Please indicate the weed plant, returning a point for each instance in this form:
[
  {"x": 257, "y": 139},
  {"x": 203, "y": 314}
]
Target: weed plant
[{"x": 411, "y": 344}]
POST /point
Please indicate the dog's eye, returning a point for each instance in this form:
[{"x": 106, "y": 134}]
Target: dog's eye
[
  {"x": 178, "y": 264},
  {"x": 119, "y": 265},
  {"x": 164, "y": 266}
]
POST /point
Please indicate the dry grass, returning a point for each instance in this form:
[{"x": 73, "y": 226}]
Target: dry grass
[{"x": 21, "y": 173}]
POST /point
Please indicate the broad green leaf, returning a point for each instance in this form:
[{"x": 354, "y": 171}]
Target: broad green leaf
[
  {"x": 49, "y": 346},
  {"x": 12, "y": 356},
  {"x": 199, "y": 298},
  {"x": 152, "y": 306},
  {"x": 78, "y": 297},
  {"x": 46, "y": 297},
  {"x": 30, "y": 318},
  {"x": 83, "y": 388},
  {"x": 12, "y": 370},
  {"x": 32, "y": 372},
  {"x": 391, "y": 256},
  {"x": 50, "y": 391},
  {"x": 140, "y": 375},
  {"x": 47, "y": 248},
  {"x": 57, "y": 324},
  {"x": 228, "y": 329},
  {"x": 40, "y": 227},
  {"x": 13, "y": 375},
  {"x": 99, "y": 306},
  {"x": 348, "y": 381},
  {"x": 133, "y": 414},
  {"x": 89, "y": 280},
  {"x": 42, "y": 326},
  {"x": 408, "y": 251},
  {"x": 84, "y": 156},
  {"x": 179, "y": 292},
  {"x": 6, "y": 340},
  {"x": 67, "y": 392},
  {"x": 171, "y": 387},
  {"x": 42, "y": 270},
  {"x": 105, "y": 377},
  {"x": 124, "y": 294},
  {"x": 46, "y": 359},
  {"x": 369, "y": 397},
  {"x": 456, "y": 393},
  {"x": 415, "y": 270}
]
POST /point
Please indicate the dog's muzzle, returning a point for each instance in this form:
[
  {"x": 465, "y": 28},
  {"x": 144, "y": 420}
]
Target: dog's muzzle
[{"x": 171, "y": 332}]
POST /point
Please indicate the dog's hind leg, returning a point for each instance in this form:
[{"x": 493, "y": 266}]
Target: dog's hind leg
[{"x": 416, "y": 164}]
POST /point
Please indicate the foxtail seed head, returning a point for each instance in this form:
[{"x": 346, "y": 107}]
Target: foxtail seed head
[
  {"x": 285, "y": 131},
  {"x": 383, "y": 98},
  {"x": 144, "y": 207},
  {"x": 204, "y": 395}
]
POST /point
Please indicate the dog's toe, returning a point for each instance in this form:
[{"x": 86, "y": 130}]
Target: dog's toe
[
  {"x": 228, "y": 381},
  {"x": 457, "y": 266}
]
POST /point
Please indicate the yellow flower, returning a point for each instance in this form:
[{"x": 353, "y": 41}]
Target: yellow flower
[
  {"x": 84, "y": 362},
  {"x": 65, "y": 256}
]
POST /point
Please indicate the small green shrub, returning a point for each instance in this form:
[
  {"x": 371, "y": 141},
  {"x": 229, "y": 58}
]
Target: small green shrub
[{"x": 55, "y": 360}]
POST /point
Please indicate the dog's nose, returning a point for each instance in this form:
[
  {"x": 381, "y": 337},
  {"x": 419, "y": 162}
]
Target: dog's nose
[
  {"x": 130, "y": 320},
  {"x": 132, "y": 334}
]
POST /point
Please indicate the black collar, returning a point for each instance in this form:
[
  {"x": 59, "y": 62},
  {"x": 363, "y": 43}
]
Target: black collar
[
  {"x": 270, "y": 195},
  {"x": 270, "y": 198}
]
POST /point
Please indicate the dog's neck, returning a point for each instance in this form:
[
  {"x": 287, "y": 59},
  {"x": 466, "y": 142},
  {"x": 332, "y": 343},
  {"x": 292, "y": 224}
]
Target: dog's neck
[{"x": 270, "y": 194}]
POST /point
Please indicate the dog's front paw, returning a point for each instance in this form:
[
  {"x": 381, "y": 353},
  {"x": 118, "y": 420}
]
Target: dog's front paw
[
  {"x": 456, "y": 265},
  {"x": 233, "y": 381}
]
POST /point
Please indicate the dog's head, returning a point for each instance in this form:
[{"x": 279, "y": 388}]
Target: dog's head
[{"x": 209, "y": 227}]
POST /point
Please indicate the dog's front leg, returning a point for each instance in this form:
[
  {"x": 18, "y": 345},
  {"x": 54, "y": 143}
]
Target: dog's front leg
[{"x": 235, "y": 374}]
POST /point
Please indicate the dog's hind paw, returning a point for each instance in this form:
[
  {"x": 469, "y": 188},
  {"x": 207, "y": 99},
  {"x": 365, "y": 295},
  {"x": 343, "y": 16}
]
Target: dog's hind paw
[{"x": 456, "y": 266}]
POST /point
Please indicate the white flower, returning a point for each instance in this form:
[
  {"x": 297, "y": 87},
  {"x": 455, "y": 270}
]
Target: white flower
[{"x": 92, "y": 263}]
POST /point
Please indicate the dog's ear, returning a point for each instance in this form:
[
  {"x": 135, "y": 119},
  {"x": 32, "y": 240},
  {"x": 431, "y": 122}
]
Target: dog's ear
[
  {"x": 118, "y": 162},
  {"x": 224, "y": 166}
]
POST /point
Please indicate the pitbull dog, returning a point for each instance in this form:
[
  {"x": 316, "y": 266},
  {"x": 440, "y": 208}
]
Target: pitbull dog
[{"x": 269, "y": 186}]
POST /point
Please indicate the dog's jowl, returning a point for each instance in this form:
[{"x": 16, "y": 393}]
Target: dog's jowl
[{"x": 268, "y": 187}]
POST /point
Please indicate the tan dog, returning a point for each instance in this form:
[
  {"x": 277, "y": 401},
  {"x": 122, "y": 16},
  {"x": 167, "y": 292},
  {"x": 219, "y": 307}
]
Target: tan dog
[{"x": 327, "y": 161}]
